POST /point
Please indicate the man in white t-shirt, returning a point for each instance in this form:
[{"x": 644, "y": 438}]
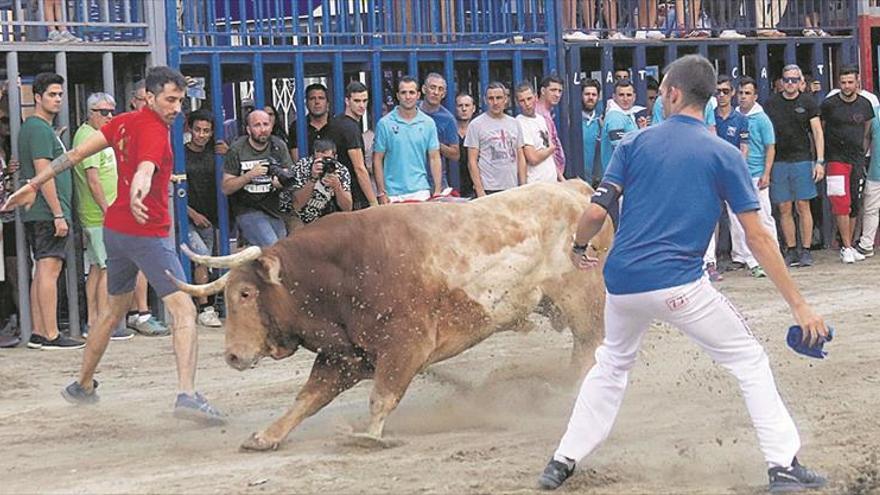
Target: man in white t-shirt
[{"x": 538, "y": 148}]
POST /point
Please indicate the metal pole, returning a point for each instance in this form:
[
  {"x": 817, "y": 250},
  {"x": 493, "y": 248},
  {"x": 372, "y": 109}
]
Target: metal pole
[
  {"x": 107, "y": 69},
  {"x": 22, "y": 252},
  {"x": 70, "y": 264},
  {"x": 217, "y": 108}
]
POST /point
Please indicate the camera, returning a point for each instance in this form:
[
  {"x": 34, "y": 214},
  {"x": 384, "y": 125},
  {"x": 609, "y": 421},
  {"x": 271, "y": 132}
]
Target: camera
[
  {"x": 330, "y": 166},
  {"x": 285, "y": 176}
]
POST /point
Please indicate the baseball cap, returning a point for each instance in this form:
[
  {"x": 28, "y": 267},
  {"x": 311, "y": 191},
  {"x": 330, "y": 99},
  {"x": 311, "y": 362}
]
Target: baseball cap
[{"x": 796, "y": 342}]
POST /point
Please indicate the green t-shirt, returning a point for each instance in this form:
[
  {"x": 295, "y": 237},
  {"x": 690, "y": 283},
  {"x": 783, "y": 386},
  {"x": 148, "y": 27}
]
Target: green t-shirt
[
  {"x": 104, "y": 161},
  {"x": 37, "y": 140}
]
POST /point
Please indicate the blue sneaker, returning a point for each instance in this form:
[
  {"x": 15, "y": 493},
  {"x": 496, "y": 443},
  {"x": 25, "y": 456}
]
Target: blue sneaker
[
  {"x": 555, "y": 474},
  {"x": 75, "y": 394},
  {"x": 150, "y": 327},
  {"x": 794, "y": 478},
  {"x": 196, "y": 408}
]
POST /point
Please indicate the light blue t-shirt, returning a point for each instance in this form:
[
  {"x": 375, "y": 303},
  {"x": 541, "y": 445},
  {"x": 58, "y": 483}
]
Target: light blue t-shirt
[
  {"x": 760, "y": 136},
  {"x": 708, "y": 112},
  {"x": 672, "y": 199},
  {"x": 406, "y": 146},
  {"x": 590, "y": 132},
  {"x": 616, "y": 125}
]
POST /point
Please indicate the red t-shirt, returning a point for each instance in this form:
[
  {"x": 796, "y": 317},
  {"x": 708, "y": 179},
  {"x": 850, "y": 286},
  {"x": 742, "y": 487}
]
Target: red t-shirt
[{"x": 138, "y": 137}]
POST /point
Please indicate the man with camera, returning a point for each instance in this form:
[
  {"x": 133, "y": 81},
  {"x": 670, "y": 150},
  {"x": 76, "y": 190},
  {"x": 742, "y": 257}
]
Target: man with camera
[
  {"x": 255, "y": 168},
  {"x": 320, "y": 184}
]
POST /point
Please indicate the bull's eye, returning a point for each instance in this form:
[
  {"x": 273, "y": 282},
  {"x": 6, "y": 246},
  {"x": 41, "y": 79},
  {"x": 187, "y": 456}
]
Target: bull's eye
[{"x": 245, "y": 294}]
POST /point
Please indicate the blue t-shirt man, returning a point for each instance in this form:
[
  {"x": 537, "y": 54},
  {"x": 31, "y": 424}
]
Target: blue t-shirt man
[
  {"x": 406, "y": 145},
  {"x": 671, "y": 203},
  {"x": 591, "y": 129},
  {"x": 734, "y": 129},
  {"x": 447, "y": 134},
  {"x": 761, "y": 135}
]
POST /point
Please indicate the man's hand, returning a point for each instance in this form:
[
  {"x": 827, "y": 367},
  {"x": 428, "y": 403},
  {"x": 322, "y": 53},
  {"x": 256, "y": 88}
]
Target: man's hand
[
  {"x": 139, "y": 210},
  {"x": 642, "y": 122},
  {"x": 332, "y": 181},
  {"x": 199, "y": 220},
  {"x": 220, "y": 147},
  {"x": 61, "y": 227},
  {"x": 25, "y": 196},
  {"x": 383, "y": 199},
  {"x": 818, "y": 172},
  {"x": 764, "y": 181},
  {"x": 583, "y": 261},
  {"x": 812, "y": 324},
  {"x": 257, "y": 171},
  {"x": 13, "y": 166}
]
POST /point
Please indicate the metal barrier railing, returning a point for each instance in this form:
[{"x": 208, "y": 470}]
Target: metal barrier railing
[
  {"x": 84, "y": 20},
  {"x": 621, "y": 19},
  {"x": 345, "y": 22}
]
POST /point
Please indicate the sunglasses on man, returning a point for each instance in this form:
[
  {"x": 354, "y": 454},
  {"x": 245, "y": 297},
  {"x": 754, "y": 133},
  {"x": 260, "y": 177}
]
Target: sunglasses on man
[{"x": 103, "y": 111}]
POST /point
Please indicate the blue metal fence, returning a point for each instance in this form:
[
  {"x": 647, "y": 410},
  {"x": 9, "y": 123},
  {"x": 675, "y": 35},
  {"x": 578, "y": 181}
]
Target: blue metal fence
[{"x": 23, "y": 21}]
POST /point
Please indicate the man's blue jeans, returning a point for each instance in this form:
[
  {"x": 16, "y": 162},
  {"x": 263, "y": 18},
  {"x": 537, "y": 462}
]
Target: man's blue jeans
[{"x": 261, "y": 229}]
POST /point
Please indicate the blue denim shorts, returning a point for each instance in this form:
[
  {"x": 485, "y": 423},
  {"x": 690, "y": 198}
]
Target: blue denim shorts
[
  {"x": 128, "y": 254},
  {"x": 791, "y": 181}
]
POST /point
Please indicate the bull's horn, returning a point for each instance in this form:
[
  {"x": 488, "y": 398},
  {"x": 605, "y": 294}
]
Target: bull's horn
[
  {"x": 230, "y": 261},
  {"x": 200, "y": 290}
]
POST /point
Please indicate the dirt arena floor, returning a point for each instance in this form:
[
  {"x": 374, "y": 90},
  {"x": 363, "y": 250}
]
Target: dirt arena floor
[{"x": 483, "y": 422}]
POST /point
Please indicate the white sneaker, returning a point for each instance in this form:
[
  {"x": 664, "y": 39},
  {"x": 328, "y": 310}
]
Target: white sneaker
[
  {"x": 857, "y": 255},
  {"x": 209, "y": 318},
  {"x": 656, "y": 35},
  {"x": 731, "y": 34},
  {"x": 580, "y": 36},
  {"x": 57, "y": 37},
  {"x": 619, "y": 36},
  {"x": 846, "y": 255},
  {"x": 641, "y": 35}
]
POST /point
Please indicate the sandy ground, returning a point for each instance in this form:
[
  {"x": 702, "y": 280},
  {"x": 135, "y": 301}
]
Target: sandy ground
[{"x": 483, "y": 422}]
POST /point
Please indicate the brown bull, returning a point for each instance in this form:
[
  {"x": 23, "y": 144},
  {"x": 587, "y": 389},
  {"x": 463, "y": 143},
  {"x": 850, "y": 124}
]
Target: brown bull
[{"x": 385, "y": 292}]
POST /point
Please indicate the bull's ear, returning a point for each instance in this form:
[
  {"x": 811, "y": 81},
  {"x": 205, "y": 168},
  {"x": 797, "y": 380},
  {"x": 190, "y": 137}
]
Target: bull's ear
[{"x": 270, "y": 269}]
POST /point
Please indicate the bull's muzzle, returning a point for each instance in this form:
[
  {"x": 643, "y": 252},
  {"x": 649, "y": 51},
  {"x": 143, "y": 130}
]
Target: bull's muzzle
[{"x": 239, "y": 362}]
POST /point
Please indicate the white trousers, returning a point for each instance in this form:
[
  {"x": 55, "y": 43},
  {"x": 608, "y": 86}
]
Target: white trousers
[
  {"x": 708, "y": 318},
  {"x": 739, "y": 251},
  {"x": 709, "y": 257},
  {"x": 870, "y": 214}
]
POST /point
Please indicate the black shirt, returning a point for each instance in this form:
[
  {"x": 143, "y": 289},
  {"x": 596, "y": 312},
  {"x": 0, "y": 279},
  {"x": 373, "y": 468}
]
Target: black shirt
[
  {"x": 346, "y": 133},
  {"x": 313, "y": 135},
  {"x": 202, "y": 182},
  {"x": 791, "y": 123},
  {"x": 258, "y": 194},
  {"x": 845, "y": 128}
]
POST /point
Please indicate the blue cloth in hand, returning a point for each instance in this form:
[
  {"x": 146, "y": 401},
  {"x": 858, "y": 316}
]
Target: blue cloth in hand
[{"x": 795, "y": 341}]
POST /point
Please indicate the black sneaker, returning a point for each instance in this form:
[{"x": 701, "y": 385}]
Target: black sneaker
[
  {"x": 36, "y": 341},
  {"x": 806, "y": 258},
  {"x": 792, "y": 258},
  {"x": 75, "y": 394},
  {"x": 794, "y": 478},
  {"x": 121, "y": 333},
  {"x": 62, "y": 342},
  {"x": 555, "y": 474}
]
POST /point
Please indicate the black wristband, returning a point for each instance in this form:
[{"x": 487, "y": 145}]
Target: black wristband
[{"x": 59, "y": 217}]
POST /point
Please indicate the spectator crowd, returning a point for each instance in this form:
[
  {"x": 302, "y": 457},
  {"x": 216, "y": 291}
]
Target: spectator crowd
[{"x": 799, "y": 150}]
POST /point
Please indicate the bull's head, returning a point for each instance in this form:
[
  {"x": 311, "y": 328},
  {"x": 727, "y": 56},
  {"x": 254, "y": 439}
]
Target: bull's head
[{"x": 247, "y": 336}]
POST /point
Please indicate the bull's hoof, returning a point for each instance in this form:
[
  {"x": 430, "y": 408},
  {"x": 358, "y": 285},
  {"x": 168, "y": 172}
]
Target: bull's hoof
[
  {"x": 256, "y": 443},
  {"x": 367, "y": 441}
]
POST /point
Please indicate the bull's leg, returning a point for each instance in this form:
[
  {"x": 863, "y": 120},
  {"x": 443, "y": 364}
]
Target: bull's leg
[
  {"x": 329, "y": 378},
  {"x": 394, "y": 372},
  {"x": 583, "y": 314}
]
